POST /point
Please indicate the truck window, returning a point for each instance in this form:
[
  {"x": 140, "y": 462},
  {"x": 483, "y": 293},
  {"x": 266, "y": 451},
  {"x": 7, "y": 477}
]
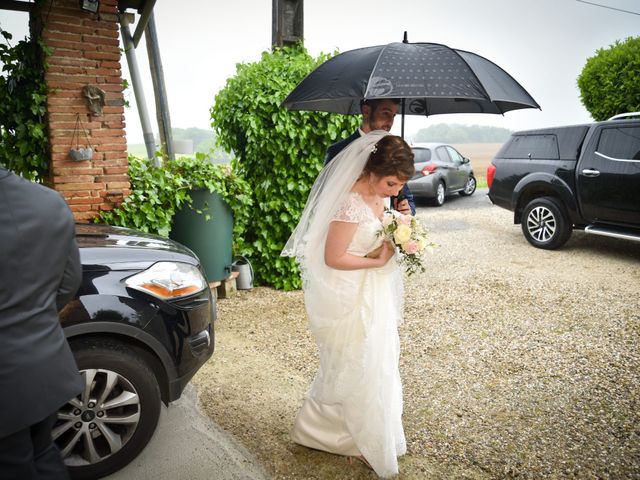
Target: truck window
[
  {"x": 621, "y": 143},
  {"x": 539, "y": 146}
]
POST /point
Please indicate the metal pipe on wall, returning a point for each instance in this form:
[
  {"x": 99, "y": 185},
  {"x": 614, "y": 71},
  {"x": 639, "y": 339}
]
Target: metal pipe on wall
[
  {"x": 138, "y": 92},
  {"x": 157, "y": 76}
]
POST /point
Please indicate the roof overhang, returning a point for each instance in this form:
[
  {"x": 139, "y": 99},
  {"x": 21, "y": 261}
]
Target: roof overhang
[
  {"x": 143, "y": 7},
  {"x": 16, "y": 5}
]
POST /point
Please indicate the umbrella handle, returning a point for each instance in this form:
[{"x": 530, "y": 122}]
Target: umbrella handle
[{"x": 402, "y": 117}]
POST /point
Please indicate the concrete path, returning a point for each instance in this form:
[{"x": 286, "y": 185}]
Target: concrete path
[{"x": 188, "y": 445}]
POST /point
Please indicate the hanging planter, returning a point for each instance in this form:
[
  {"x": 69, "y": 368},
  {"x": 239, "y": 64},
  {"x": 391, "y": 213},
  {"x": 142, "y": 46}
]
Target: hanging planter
[{"x": 80, "y": 154}]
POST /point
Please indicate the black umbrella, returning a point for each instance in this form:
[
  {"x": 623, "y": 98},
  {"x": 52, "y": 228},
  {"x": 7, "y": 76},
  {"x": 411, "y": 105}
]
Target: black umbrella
[{"x": 430, "y": 78}]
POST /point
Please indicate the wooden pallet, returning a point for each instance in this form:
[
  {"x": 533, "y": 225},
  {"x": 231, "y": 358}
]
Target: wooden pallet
[{"x": 225, "y": 288}]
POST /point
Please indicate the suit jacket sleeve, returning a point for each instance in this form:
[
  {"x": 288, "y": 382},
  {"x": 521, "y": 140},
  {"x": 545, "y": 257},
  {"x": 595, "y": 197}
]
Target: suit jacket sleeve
[
  {"x": 332, "y": 151},
  {"x": 409, "y": 196},
  {"x": 71, "y": 278}
]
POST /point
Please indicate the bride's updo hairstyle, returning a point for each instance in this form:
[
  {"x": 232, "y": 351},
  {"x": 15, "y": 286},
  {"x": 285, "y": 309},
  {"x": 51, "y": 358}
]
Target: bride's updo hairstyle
[{"x": 391, "y": 156}]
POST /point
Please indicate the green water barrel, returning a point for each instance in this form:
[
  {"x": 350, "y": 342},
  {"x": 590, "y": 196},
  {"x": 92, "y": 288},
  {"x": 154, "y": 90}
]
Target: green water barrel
[{"x": 209, "y": 239}]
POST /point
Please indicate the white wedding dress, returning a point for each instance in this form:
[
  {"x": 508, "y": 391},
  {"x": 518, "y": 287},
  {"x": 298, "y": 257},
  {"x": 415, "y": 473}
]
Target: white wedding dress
[{"x": 354, "y": 405}]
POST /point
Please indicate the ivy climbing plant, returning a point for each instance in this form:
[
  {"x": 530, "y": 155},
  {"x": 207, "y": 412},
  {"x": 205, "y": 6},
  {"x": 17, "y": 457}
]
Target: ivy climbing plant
[
  {"x": 158, "y": 193},
  {"x": 278, "y": 152},
  {"x": 23, "y": 101}
]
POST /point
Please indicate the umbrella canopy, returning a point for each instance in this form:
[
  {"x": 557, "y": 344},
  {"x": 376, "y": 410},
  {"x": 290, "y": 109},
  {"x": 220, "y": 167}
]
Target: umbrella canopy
[{"x": 431, "y": 79}]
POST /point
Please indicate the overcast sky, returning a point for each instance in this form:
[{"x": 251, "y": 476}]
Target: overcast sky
[{"x": 543, "y": 44}]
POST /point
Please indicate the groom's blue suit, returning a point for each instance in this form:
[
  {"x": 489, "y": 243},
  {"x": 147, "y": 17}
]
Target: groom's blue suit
[{"x": 337, "y": 147}]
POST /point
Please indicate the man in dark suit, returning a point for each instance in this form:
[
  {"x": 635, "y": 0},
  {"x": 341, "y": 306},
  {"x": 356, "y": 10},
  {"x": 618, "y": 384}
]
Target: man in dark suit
[
  {"x": 39, "y": 273},
  {"x": 377, "y": 115}
]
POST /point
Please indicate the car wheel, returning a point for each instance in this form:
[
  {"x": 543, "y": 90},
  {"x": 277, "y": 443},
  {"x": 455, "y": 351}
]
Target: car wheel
[
  {"x": 469, "y": 187},
  {"x": 112, "y": 420},
  {"x": 438, "y": 200},
  {"x": 545, "y": 224}
]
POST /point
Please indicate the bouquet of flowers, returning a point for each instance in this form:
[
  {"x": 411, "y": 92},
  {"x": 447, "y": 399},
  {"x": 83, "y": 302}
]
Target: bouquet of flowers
[{"x": 409, "y": 236}]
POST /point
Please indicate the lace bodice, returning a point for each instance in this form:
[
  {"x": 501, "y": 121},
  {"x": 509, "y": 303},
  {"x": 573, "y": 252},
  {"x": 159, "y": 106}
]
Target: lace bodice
[{"x": 355, "y": 210}]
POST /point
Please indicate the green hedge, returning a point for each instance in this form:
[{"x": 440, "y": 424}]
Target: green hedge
[{"x": 278, "y": 152}]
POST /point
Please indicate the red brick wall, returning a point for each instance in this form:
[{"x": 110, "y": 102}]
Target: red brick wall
[{"x": 85, "y": 51}]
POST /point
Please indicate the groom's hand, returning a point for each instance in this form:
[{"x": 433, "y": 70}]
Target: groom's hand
[{"x": 402, "y": 206}]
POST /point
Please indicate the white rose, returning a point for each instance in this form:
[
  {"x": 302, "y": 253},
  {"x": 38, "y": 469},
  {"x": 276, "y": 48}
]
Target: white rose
[{"x": 402, "y": 234}]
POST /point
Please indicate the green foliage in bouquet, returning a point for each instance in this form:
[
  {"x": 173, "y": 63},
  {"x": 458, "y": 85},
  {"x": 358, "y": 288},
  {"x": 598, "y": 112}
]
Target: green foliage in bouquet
[{"x": 278, "y": 152}]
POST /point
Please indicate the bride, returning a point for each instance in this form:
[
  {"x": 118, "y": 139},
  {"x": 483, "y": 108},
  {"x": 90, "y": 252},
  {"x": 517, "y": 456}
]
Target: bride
[{"x": 353, "y": 297}]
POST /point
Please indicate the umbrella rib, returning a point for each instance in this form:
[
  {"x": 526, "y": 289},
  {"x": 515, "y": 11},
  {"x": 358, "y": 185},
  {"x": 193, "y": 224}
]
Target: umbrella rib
[
  {"x": 487, "y": 96},
  {"x": 374, "y": 69},
  {"x": 503, "y": 70}
]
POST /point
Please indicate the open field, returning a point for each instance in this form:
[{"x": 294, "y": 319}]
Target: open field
[{"x": 480, "y": 155}]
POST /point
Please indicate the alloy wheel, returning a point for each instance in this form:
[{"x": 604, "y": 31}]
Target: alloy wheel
[
  {"x": 470, "y": 186},
  {"x": 440, "y": 193},
  {"x": 100, "y": 421},
  {"x": 541, "y": 224}
]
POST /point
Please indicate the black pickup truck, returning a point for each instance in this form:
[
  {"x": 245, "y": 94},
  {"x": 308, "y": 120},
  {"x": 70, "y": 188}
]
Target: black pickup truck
[{"x": 573, "y": 177}]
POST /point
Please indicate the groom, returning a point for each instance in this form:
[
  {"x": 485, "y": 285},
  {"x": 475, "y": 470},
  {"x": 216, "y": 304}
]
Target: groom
[{"x": 376, "y": 115}]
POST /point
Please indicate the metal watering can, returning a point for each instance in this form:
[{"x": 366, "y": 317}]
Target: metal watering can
[{"x": 244, "y": 281}]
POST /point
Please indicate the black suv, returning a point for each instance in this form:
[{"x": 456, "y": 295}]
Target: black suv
[
  {"x": 582, "y": 176},
  {"x": 140, "y": 327}
]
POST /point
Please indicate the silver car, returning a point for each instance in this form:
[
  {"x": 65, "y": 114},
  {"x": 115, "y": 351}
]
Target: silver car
[{"x": 440, "y": 171}]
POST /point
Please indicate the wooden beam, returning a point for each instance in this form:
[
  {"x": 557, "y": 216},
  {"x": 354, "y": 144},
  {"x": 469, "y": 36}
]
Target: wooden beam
[
  {"x": 144, "y": 19},
  {"x": 16, "y": 5}
]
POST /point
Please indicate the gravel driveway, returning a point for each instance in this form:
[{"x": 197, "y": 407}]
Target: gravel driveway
[{"x": 516, "y": 362}]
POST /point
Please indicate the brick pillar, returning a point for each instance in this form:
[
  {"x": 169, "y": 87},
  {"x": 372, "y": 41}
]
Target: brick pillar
[{"x": 85, "y": 51}]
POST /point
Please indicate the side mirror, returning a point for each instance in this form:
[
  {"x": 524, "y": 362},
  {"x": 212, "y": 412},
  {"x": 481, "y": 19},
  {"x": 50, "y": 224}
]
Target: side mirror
[{"x": 465, "y": 160}]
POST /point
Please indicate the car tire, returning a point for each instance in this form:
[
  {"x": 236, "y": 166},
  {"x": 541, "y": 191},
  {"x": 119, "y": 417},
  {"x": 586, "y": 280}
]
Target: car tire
[
  {"x": 545, "y": 223},
  {"x": 438, "y": 200},
  {"x": 119, "y": 385},
  {"x": 469, "y": 187}
]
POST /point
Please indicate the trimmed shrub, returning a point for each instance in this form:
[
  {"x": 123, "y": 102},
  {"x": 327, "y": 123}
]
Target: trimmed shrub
[{"x": 610, "y": 81}]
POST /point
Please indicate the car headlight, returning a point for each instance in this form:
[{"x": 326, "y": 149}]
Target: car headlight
[{"x": 168, "y": 280}]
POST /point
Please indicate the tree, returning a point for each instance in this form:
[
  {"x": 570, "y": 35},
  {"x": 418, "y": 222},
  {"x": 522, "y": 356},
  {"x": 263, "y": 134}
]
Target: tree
[
  {"x": 455, "y": 133},
  {"x": 610, "y": 81},
  {"x": 278, "y": 152}
]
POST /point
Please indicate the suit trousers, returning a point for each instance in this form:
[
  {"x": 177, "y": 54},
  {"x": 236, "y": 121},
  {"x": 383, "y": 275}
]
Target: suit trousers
[{"x": 30, "y": 454}]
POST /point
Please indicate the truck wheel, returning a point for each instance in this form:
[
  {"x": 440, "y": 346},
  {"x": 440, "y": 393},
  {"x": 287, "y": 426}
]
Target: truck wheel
[
  {"x": 113, "y": 419},
  {"x": 438, "y": 200},
  {"x": 545, "y": 224}
]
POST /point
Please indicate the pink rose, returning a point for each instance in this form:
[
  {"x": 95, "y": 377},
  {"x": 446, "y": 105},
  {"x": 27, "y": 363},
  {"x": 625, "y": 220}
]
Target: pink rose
[
  {"x": 404, "y": 219},
  {"x": 411, "y": 247}
]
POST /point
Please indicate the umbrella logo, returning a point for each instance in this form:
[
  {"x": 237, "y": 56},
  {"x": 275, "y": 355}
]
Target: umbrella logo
[
  {"x": 379, "y": 87},
  {"x": 418, "y": 107}
]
